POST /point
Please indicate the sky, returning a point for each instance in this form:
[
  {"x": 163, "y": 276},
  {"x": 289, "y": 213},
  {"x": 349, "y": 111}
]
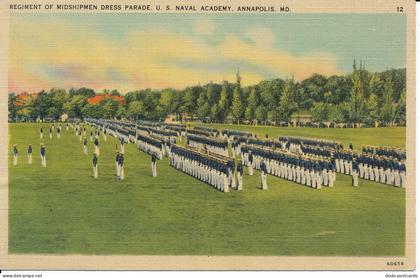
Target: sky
[{"x": 138, "y": 51}]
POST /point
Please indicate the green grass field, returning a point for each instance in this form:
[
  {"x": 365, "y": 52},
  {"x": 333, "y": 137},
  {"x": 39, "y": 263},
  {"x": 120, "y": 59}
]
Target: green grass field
[{"x": 61, "y": 209}]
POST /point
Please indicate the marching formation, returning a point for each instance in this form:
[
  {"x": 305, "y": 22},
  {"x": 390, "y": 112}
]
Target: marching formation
[
  {"x": 216, "y": 172},
  {"x": 300, "y": 169},
  {"x": 218, "y": 157}
]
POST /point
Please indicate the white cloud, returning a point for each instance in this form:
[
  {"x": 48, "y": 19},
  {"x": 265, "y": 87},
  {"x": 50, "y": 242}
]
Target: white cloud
[{"x": 204, "y": 27}]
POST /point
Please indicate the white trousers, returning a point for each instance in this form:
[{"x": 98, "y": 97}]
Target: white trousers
[
  {"x": 263, "y": 181},
  {"x": 95, "y": 171}
]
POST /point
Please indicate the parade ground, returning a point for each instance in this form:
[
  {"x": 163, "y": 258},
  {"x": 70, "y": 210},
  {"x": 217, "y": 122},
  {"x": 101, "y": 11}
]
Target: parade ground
[{"x": 62, "y": 209}]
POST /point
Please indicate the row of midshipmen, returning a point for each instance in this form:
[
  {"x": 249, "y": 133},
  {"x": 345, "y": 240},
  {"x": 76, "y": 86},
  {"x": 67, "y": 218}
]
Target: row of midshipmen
[
  {"x": 29, "y": 155},
  {"x": 299, "y": 169},
  {"x": 385, "y": 151},
  {"x": 218, "y": 173},
  {"x": 210, "y": 144},
  {"x": 382, "y": 169}
]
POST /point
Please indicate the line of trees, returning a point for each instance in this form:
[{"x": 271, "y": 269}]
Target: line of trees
[{"x": 359, "y": 98}]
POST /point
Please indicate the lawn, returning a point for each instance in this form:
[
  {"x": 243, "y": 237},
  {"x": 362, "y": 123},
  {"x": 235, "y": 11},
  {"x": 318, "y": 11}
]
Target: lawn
[{"x": 61, "y": 209}]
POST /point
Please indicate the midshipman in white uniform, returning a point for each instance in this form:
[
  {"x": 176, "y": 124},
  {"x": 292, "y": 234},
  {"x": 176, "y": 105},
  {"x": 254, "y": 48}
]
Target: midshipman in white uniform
[
  {"x": 154, "y": 167},
  {"x": 121, "y": 166},
  {"x": 15, "y": 155},
  {"x": 96, "y": 143},
  {"x": 250, "y": 162},
  {"x": 85, "y": 148},
  {"x": 29, "y": 154},
  {"x": 239, "y": 174},
  {"x": 95, "y": 165},
  {"x": 263, "y": 169},
  {"x": 43, "y": 156},
  {"x": 117, "y": 164},
  {"x": 355, "y": 174}
]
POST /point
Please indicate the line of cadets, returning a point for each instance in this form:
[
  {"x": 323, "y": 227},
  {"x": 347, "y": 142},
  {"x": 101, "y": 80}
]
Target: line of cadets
[
  {"x": 303, "y": 160},
  {"x": 379, "y": 164},
  {"x": 213, "y": 145},
  {"x": 214, "y": 170},
  {"x": 302, "y": 169},
  {"x": 124, "y": 132},
  {"x": 43, "y": 152}
]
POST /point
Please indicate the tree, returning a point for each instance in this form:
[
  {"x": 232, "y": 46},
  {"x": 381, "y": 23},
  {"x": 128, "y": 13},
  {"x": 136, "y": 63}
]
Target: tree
[
  {"x": 372, "y": 107},
  {"x": 287, "y": 105},
  {"x": 253, "y": 102},
  {"x": 261, "y": 113},
  {"x": 358, "y": 109},
  {"x": 42, "y": 104},
  {"x": 270, "y": 91},
  {"x": 338, "y": 113},
  {"x": 135, "y": 109},
  {"x": 109, "y": 108},
  {"x": 215, "y": 113},
  {"x": 212, "y": 95},
  {"x": 224, "y": 102},
  {"x": 375, "y": 85},
  {"x": 13, "y": 108},
  {"x": 203, "y": 110},
  {"x": 401, "y": 109},
  {"x": 92, "y": 111},
  {"x": 237, "y": 103},
  {"x": 388, "y": 108},
  {"x": 115, "y": 93},
  {"x": 320, "y": 112},
  {"x": 121, "y": 112},
  {"x": 337, "y": 89},
  {"x": 86, "y": 92},
  {"x": 75, "y": 105}
]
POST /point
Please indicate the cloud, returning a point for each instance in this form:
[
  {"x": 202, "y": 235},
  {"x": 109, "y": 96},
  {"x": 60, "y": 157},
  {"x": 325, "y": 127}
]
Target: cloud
[
  {"x": 70, "y": 55},
  {"x": 278, "y": 61},
  {"x": 261, "y": 37},
  {"x": 204, "y": 27}
]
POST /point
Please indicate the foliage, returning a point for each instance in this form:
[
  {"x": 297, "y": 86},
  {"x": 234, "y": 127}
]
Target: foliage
[{"x": 361, "y": 97}]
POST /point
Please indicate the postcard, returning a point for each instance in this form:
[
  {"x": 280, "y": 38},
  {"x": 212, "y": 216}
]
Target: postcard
[{"x": 207, "y": 135}]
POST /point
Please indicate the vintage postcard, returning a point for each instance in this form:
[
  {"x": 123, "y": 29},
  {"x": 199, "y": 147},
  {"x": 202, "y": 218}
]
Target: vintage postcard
[{"x": 207, "y": 135}]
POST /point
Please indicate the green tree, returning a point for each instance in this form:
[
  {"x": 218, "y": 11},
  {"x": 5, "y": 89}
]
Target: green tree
[
  {"x": 109, "y": 108},
  {"x": 375, "y": 85},
  {"x": 203, "y": 110},
  {"x": 270, "y": 91},
  {"x": 261, "y": 113},
  {"x": 224, "y": 101},
  {"x": 373, "y": 111},
  {"x": 253, "y": 102},
  {"x": 338, "y": 113},
  {"x": 320, "y": 112},
  {"x": 85, "y": 92},
  {"x": 287, "y": 105},
  {"x": 121, "y": 112},
  {"x": 135, "y": 109},
  {"x": 215, "y": 113},
  {"x": 73, "y": 107},
  {"x": 12, "y": 105},
  {"x": 190, "y": 102},
  {"x": 237, "y": 102},
  {"x": 401, "y": 109},
  {"x": 358, "y": 107},
  {"x": 388, "y": 108}
]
